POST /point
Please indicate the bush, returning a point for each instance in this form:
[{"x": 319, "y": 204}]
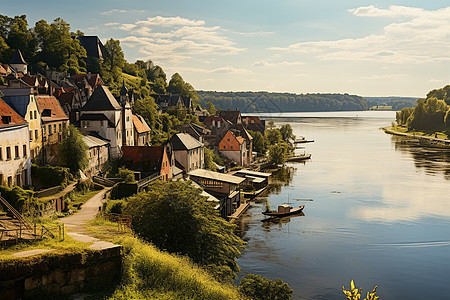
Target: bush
[
  {"x": 19, "y": 198},
  {"x": 48, "y": 176},
  {"x": 355, "y": 294},
  {"x": 114, "y": 206},
  {"x": 123, "y": 190},
  {"x": 257, "y": 287},
  {"x": 84, "y": 185},
  {"x": 126, "y": 175}
]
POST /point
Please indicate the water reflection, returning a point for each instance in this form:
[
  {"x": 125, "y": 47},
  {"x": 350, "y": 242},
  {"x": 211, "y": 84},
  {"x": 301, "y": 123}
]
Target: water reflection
[
  {"x": 432, "y": 160},
  {"x": 269, "y": 222},
  {"x": 281, "y": 177}
]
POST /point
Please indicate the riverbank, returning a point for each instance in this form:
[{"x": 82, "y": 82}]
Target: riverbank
[{"x": 422, "y": 139}]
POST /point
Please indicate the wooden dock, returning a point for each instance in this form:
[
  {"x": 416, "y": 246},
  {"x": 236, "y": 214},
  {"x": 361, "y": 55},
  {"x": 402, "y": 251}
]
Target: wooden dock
[{"x": 239, "y": 211}]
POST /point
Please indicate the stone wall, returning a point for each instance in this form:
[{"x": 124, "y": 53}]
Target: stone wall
[{"x": 53, "y": 274}]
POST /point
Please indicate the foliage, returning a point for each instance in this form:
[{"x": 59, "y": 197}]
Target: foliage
[
  {"x": 282, "y": 102},
  {"x": 259, "y": 142},
  {"x": 355, "y": 294},
  {"x": 114, "y": 206},
  {"x": 126, "y": 175},
  {"x": 73, "y": 151},
  {"x": 278, "y": 153},
  {"x": 149, "y": 273},
  {"x": 428, "y": 114},
  {"x": 44, "y": 177},
  {"x": 123, "y": 189},
  {"x": 209, "y": 162},
  {"x": 57, "y": 47},
  {"x": 175, "y": 217},
  {"x": 397, "y": 103},
  {"x": 403, "y": 115},
  {"x": 19, "y": 198},
  {"x": 273, "y": 136},
  {"x": 286, "y": 133},
  {"x": 177, "y": 85},
  {"x": 257, "y": 287},
  {"x": 113, "y": 62},
  {"x": 210, "y": 108}
]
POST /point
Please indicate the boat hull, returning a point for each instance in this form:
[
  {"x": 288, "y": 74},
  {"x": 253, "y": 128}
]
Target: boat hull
[{"x": 284, "y": 214}]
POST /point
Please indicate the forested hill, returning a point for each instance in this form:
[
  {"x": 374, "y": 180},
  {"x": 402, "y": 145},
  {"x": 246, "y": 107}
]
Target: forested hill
[
  {"x": 397, "y": 103},
  {"x": 282, "y": 102}
]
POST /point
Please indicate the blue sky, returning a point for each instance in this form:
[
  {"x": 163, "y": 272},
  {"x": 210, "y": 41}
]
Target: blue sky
[{"x": 369, "y": 48}]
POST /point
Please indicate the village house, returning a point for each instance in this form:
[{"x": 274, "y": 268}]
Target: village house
[
  {"x": 148, "y": 160},
  {"x": 255, "y": 180},
  {"x": 254, "y": 124},
  {"x": 172, "y": 101},
  {"x": 186, "y": 152},
  {"x": 102, "y": 114},
  {"x": 54, "y": 122},
  {"x": 141, "y": 131},
  {"x": 225, "y": 187},
  {"x": 15, "y": 160},
  {"x": 18, "y": 64},
  {"x": 94, "y": 47},
  {"x": 234, "y": 116},
  {"x": 20, "y": 96},
  {"x": 236, "y": 148},
  {"x": 98, "y": 155},
  {"x": 196, "y": 131}
]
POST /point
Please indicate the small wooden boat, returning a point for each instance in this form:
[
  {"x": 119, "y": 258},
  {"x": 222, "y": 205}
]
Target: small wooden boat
[
  {"x": 302, "y": 139},
  {"x": 297, "y": 158},
  {"x": 284, "y": 210}
]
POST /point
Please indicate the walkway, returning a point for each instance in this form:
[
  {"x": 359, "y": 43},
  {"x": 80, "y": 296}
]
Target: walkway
[{"x": 89, "y": 210}]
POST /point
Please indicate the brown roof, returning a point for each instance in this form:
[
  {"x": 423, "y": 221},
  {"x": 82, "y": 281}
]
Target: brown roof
[
  {"x": 51, "y": 105},
  {"x": 144, "y": 158},
  {"x": 230, "y": 115},
  {"x": 31, "y": 80},
  {"x": 6, "y": 111},
  {"x": 240, "y": 140},
  {"x": 140, "y": 127},
  {"x": 93, "y": 79}
]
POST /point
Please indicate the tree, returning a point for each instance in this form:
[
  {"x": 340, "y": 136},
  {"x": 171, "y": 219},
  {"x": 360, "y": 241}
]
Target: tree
[
  {"x": 114, "y": 57},
  {"x": 209, "y": 160},
  {"x": 259, "y": 288},
  {"x": 259, "y": 142},
  {"x": 159, "y": 86},
  {"x": 278, "y": 153},
  {"x": 126, "y": 175},
  {"x": 210, "y": 108},
  {"x": 286, "y": 133},
  {"x": 147, "y": 108},
  {"x": 178, "y": 86},
  {"x": 175, "y": 217},
  {"x": 273, "y": 136},
  {"x": 57, "y": 47},
  {"x": 73, "y": 150}
]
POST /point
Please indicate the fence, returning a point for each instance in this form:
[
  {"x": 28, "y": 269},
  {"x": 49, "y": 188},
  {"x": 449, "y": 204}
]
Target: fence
[
  {"x": 37, "y": 232},
  {"x": 103, "y": 181},
  {"x": 146, "y": 181},
  {"x": 123, "y": 221}
]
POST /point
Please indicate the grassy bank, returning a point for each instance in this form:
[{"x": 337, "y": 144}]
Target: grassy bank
[
  {"x": 149, "y": 273},
  {"x": 443, "y": 134}
]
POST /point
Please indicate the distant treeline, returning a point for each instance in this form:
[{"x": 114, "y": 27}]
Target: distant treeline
[
  {"x": 397, "y": 103},
  {"x": 282, "y": 102}
]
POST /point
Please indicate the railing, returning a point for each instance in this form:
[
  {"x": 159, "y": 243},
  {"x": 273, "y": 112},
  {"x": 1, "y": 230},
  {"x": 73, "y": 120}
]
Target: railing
[
  {"x": 103, "y": 181},
  {"x": 15, "y": 213},
  {"x": 48, "y": 192},
  {"x": 123, "y": 221},
  {"x": 146, "y": 181},
  {"x": 38, "y": 232}
]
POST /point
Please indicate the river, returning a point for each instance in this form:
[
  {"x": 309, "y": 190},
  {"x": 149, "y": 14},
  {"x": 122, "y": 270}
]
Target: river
[{"x": 376, "y": 211}]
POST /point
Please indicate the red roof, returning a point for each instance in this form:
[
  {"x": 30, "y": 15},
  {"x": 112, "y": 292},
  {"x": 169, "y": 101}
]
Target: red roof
[
  {"x": 145, "y": 158},
  {"x": 140, "y": 127},
  {"x": 45, "y": 102},
  {"x": 93, "y": 79},
  {"x": 6, "y": 111},
  {"x": 31, "y": 80}
]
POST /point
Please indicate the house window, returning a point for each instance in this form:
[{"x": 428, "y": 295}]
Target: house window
[
  {"x": 24, "y": 150},
  {"x": 31, "y": 115},
  {"x": 1, "y": 155},
  {"x": 9, "y": 180},
  {"x": 54, "y": 128},
  {"x": 16, "y": 151},
  {"x": 35, "y": 114},
  {"x": 49, "y": 129},
  {"x": 31, "y": 135},
  {"x": 231, "y": 147},
  {"x": 128, "y": 118},
  {"x": 1, "y": 179},
  {"x": 60, "y": 126},
  {"x": 8, "y": 152},
  {"x": 64, "y": 126},
  {"x": 36, "y": 134}
]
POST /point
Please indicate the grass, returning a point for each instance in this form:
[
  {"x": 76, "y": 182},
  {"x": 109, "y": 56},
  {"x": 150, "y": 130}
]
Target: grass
[
  {"x": 149, "y": 273},
  {"x": 431, "y": 133},
  {"x": 78, "y": 198}
]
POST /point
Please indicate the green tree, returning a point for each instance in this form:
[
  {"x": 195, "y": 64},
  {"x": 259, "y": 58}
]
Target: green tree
[
  {"x": 175, "y": 217},
  {"x": 113, "y": 62},
  {"x": 147, "y": 108},
  {"x": 259, "y": 142},
  {"x": 73, "y": 151},
  {"x": 20, "y": 37},
  {"x": 209, "y": 160},
  {"x": 210, "y": 108},
  {"x": 126, "y": 175},
  {"x": 178, "y": 86},
  {"x": 273, "y": 136},
  {"x": 57, "y": 47},
  {"x": 260, "y": 288},
  {"x": 159, "y": 86},
  {"x": 278, "y": 153},
  {"x": 286, "y": 133}
]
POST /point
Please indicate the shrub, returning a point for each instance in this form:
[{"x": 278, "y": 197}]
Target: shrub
[
  {"x": 48, "y": 176},
  {"x": 84, "y": 185},
  {"x": 114, "y": 206},
  {"x": 258, "y": 287},
  {"x": 123, "y": 190},
  {"x": 126, "y": 175},
  {"x": 19, "y": 198}
]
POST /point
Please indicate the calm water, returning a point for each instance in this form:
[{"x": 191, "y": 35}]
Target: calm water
[{"x": 377, "y": 210}]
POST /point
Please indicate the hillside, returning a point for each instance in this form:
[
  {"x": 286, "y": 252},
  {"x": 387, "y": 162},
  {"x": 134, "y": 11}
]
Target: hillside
[
  {"x": 397, "y": 103},
  {"x": 282, "y": 102}
]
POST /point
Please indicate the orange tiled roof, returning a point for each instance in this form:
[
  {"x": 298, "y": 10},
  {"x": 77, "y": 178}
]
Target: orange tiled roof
[
  {"x": 5, "y": 110},
  {"x": 140, "y": 127},
  {"x": 51, "y": 103}
]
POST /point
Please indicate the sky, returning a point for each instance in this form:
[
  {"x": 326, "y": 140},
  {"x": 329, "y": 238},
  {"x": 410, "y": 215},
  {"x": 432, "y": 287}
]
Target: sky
[{"x": 367, "y": 48}]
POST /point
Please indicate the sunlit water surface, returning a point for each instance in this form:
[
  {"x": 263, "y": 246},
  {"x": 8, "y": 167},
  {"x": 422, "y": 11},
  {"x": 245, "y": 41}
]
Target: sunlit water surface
[{"x": 377, "y": 210}]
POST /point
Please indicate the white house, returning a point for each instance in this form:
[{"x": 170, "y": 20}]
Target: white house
[
  {"x": 15, "y": 161},
  {"x": 186, "y": 152}
]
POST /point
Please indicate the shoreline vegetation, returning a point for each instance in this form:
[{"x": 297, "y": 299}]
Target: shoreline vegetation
[{"x": 430, "y": 139}]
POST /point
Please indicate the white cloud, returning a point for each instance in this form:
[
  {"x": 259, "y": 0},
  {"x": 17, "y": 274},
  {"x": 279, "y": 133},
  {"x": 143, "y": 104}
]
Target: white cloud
[
  {"x": 263, "y": 63},
  {"x": 436, "y": 80},
  {"x": 230, "y": 69},
  {"x": 174, "y": 40},
  {"x": 383, "y": 76},
  {"x": 111, "y": 11},
  {"x": 112, "y": 24},
  {"x": 416, "y": 36}
]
